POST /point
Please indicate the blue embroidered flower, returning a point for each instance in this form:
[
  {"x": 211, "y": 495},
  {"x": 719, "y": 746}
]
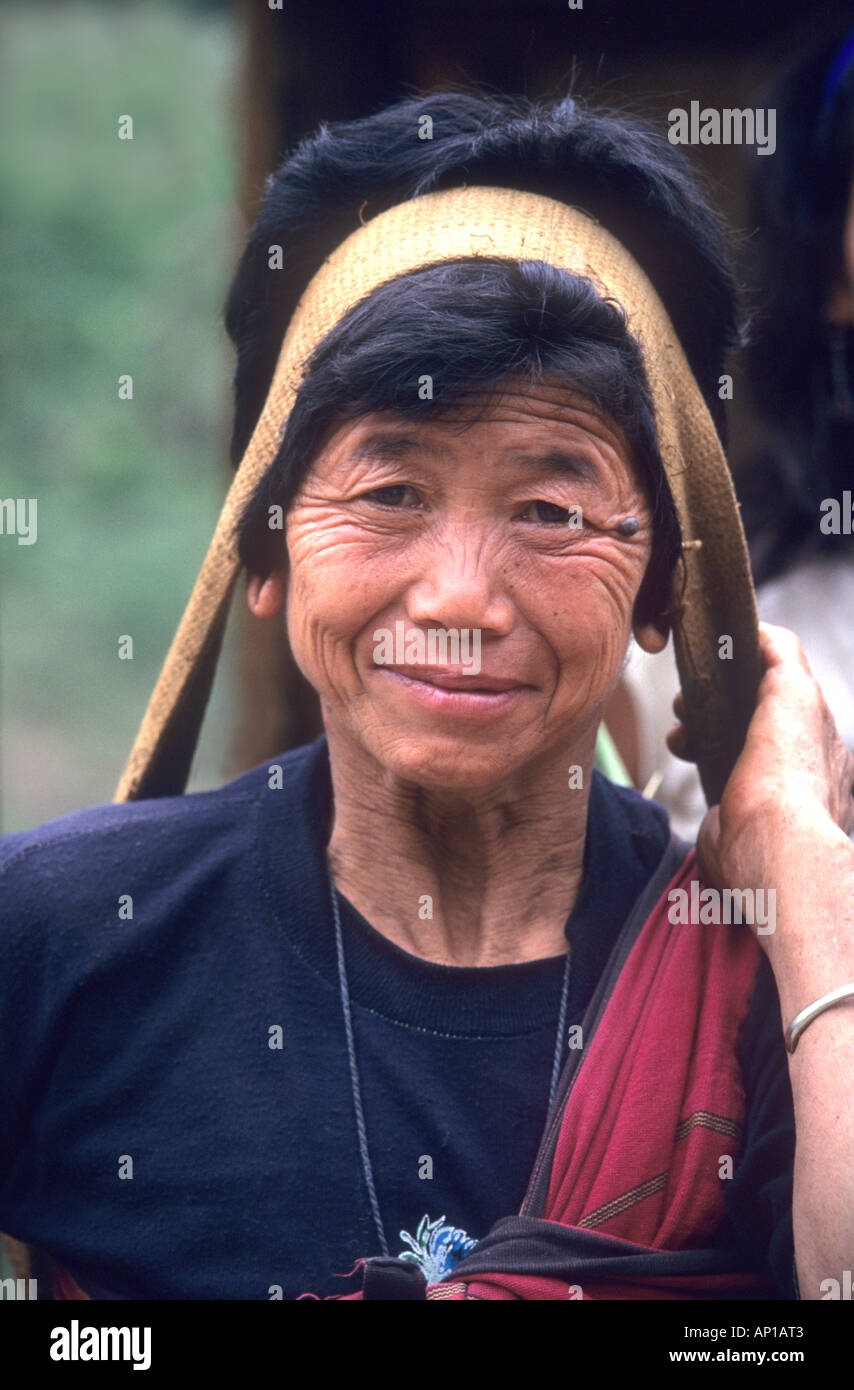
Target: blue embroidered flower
[{"x": 436, "y": 1249}]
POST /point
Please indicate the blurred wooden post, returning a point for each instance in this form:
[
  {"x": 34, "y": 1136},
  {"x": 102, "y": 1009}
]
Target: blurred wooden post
[{"x": 277, "y": 708}]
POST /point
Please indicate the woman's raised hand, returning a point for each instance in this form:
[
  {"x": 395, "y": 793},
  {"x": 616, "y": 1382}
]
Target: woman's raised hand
[{"x": 793, "y": 772}]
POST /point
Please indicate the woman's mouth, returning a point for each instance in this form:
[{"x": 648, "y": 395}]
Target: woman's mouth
[{"x": 455, "y": 691}]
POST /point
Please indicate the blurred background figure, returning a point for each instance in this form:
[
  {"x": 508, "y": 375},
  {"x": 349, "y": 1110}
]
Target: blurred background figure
[{"x": 797, "y": 488}]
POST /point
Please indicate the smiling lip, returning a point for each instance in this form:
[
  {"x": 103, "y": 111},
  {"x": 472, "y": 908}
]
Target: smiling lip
[
  {"x": 445, "y": 679},
  {"x": 453, "y": 694}
]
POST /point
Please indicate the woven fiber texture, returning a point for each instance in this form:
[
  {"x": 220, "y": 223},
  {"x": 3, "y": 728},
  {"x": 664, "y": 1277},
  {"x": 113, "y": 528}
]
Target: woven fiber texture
[{"x": 712, "y": 591}]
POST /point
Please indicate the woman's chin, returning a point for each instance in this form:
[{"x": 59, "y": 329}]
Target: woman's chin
[{"x": 446, "y": 764}]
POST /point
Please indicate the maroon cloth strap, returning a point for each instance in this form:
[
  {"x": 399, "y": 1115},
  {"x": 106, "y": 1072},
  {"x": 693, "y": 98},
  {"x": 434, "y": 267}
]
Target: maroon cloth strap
[
  {"x": 636, "y": 1158},
  {"x": 627, "y": 1193}
]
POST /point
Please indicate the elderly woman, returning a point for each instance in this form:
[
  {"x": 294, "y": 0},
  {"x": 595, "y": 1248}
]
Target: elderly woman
[{"x": 431, "y": 1008}]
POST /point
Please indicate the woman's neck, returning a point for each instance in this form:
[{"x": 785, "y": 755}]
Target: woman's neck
[{"x": 482, "y": 879}]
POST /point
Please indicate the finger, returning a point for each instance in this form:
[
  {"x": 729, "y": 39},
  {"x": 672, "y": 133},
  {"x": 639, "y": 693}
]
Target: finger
[{"x": 779, "y": 645}]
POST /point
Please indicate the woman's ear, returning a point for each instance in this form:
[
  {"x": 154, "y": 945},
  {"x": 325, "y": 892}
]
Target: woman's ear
[
  {"x": 266, "y": 595},
  {"x": 652, "y": 636}
]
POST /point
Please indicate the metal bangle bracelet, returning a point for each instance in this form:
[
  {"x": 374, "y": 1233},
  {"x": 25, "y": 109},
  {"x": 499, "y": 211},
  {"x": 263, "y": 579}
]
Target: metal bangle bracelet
[{"x": 806, "y": 1016}]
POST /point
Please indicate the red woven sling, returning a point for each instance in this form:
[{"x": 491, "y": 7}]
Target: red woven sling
[{"x": 627, "y": 1193}]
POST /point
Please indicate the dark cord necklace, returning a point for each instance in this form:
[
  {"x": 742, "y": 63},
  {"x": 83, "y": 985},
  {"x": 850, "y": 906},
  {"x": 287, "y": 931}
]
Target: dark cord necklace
[{"x": 354, "y": 1068}]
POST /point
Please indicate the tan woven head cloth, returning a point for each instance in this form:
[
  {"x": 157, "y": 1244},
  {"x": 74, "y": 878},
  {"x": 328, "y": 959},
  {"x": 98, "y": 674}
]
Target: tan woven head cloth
[{"x": 714, "y": 594}]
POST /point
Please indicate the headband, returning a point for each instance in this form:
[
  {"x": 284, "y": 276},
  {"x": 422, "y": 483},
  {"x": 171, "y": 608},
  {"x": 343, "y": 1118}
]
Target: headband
[{"x": 712, "y": 593}]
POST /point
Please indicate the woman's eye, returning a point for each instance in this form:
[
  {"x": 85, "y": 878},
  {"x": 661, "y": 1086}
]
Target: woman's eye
[
  {"x": 548, "y": 513},
  {"x": 396, "y": 495}
]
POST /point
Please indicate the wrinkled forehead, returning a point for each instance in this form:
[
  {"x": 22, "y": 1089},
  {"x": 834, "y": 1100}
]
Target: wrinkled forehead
[{"x": 513, "y": 409}]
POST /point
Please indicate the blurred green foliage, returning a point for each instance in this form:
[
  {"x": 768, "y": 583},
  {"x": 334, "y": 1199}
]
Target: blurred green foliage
[{"x": 115, "y": 257}]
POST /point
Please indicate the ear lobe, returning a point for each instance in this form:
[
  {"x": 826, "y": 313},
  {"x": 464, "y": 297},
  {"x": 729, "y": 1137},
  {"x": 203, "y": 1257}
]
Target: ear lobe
[
  {"x": 652, "y": 636},
  {"x": 266, "y": 595}
]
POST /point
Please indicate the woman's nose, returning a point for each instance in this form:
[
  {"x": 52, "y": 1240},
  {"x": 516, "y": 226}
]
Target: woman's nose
[{"x": 460, "y": 585}]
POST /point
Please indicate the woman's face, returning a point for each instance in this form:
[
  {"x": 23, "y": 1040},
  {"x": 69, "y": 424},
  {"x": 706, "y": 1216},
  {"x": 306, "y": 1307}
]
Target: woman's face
[{"x": 501, "y": 530}]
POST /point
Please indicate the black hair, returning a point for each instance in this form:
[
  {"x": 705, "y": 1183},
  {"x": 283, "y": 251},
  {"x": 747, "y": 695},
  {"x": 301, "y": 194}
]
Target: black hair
[
  {"x": 613, "y": 166},
  {"x": 801, "y": 372},
  {"x": 465, "y": 327},
  {"x": 620, "y": 170}
]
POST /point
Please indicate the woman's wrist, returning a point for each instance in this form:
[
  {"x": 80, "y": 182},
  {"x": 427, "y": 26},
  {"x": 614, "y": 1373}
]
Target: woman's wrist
[
  {"x": 788, "y": 827},
  {"x": 811, "y": 949}
]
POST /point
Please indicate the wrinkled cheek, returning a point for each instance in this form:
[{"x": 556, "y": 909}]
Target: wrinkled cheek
[
  {"x": 609, "y": 639},
  {"x": 322, "y": 626},
  {"x": 590, "y": 655}
]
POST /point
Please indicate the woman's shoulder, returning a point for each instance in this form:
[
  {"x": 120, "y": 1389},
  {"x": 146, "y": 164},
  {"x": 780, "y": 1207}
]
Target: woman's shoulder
[
  {"x": 631, "y": 823},
  {"x": 50, "y": 871}
]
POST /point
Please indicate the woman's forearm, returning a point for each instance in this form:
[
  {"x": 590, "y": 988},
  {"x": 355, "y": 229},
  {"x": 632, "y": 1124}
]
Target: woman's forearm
[{"x": 812, "y": 952}]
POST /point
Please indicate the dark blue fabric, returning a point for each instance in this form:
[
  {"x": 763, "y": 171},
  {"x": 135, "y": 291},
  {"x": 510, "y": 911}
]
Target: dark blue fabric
[{"x": 147, "y": 1039}]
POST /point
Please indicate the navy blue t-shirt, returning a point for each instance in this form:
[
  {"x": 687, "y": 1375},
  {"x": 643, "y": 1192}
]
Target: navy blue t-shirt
[{"x": 176, "y": 1110}]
